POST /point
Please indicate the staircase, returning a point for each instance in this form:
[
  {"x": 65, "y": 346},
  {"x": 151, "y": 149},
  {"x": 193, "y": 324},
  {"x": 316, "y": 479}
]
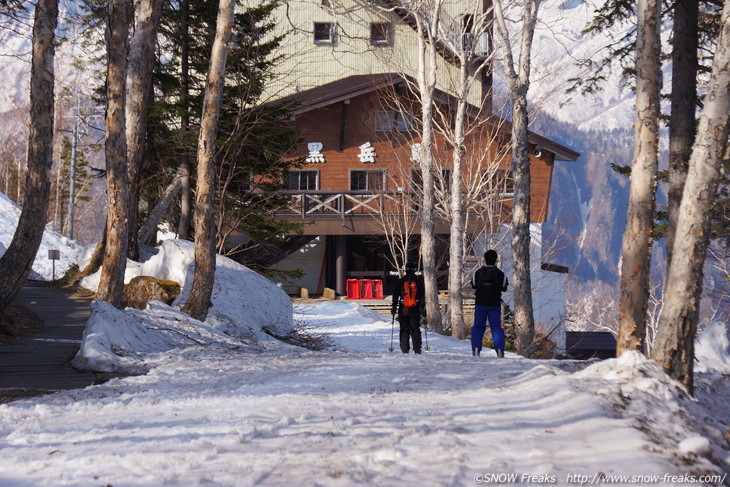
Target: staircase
[{"x": 271, "y": 255}]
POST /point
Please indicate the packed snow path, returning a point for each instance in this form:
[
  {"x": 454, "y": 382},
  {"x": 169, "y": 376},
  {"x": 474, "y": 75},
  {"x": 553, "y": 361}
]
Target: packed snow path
[
  {"x": 354, "y": 416},
  {"x": 334, "y": 418}
]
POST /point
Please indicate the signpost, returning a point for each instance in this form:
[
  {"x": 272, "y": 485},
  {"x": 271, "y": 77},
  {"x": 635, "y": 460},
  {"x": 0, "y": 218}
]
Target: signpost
[{"x": 54, "y": 255}]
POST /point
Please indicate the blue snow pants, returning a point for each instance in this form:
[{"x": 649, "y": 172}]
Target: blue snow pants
[{"x": 481, "y": 313}]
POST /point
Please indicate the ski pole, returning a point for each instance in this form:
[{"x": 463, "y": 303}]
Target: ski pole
[
  {"x": 425, "y": 331},
  {"x": 392, "y": 327}
]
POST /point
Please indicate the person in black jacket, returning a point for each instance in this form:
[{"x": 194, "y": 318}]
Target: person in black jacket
[
  {"x": 409, "y": 302},
  {"x": 489, "y": 282}
]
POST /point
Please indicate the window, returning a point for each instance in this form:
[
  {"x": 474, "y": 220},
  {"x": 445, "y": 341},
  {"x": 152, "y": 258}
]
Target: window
[
  {"x": 467, "y": 36},
  {"x": 392, "y": 120},
  {"x": 301, "y": 180},
  {"x": 324, "y": 32},
  {"x": 367, "y": 180},
  {"x": 379, "y": 34}
]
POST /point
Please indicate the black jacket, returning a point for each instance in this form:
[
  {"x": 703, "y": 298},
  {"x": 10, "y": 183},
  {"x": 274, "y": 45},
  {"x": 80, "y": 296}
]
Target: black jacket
[
  {"x": 489, "y": 282},
  {"x": 398, "y": 295}
]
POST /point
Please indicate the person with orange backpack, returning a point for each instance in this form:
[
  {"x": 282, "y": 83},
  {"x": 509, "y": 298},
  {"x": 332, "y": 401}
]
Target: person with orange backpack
[{"x": 409, "y": 302}]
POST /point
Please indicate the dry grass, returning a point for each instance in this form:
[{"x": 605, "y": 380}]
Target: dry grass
[{"x": 17, "y": 321}]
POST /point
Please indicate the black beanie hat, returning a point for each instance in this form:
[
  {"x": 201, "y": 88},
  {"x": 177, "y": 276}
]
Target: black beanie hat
[{"x": 490, "y": 257}]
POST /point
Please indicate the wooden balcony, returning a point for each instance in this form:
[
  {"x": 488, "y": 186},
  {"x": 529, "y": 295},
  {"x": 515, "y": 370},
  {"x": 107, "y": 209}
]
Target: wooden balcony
[
  {"x": 332, "y": 212},
  {"x": 343, "y": 204}
]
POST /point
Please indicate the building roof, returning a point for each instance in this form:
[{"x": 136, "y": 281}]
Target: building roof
[
  {"x": 357, "y": 85},
  {"x": 341, "y": 90}
]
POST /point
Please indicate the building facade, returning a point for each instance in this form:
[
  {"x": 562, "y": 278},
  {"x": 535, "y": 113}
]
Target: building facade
[{"x": 351, "y": 67}]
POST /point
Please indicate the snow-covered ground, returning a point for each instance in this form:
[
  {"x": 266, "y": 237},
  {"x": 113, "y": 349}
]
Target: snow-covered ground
[
  {"x": 223, "y": 404},
  {"x": 43, "y": 268}
]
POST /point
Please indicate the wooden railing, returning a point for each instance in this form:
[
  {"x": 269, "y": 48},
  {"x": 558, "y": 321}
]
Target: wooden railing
[{"x": 308, "y": 204}]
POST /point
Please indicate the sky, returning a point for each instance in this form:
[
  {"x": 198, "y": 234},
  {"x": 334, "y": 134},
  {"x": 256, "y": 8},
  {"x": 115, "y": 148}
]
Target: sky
[{"x": 224, "y": 403}]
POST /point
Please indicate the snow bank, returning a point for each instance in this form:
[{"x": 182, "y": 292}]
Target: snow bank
[
  {"x": 239, "y": 293},
  {"x": 712, "y": 349},
  {"x": 241, "y": 297},
  {"x": 42, "y": 267},
  {"x": 246, "y": 308},
  {"x": 638, "y": 389},
  {"x": 131, "y": 341}
]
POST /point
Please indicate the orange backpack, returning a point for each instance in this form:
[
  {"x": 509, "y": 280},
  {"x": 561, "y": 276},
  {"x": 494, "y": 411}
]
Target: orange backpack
[{"x": 410, "y": 294}]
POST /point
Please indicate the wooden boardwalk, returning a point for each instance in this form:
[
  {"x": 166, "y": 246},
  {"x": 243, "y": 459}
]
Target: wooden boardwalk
[{"x": 41, "y": 362}]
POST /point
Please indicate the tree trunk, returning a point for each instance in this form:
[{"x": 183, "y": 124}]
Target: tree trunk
[
  {"x": 97, "y": 258},
  {"x": 521, "y": 277},
  {"x": 18, "y": 259},
  {"x": 57, "y": 224},
  {"x": 684, "y": 102},
  {"x": 636, "y": 248},
  {"x": 519, "y": 82},
  {"x": 19, "y": 186},
  {"x": 183, "y": 227},
  {"x": 111, "y": 283},
  {"x": 150, "y": 226},
  {"x": 139, "y": 81},
  {"x": 674, "y": 347},
  {"x": 426, "y": 78},
  {"x": 456, "y": 240},
  {"x": 202, "y": 288}
]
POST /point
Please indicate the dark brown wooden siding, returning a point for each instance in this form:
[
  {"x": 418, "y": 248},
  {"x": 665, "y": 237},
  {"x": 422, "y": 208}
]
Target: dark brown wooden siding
[{"x": 393, "y": 149}]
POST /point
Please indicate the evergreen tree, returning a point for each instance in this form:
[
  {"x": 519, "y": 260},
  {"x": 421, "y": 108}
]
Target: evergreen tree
[{"x": 253, "y": 136}]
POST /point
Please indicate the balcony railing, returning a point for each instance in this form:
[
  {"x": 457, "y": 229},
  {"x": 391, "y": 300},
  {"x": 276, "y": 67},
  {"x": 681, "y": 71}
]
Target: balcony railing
[
  {"x": 347, "y": 203},
  {"x": 329, "y": 203}
]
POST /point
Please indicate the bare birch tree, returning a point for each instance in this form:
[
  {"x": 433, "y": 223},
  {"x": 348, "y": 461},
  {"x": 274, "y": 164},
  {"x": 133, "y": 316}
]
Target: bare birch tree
[
  {"x": 518, "y": 81},
  {"x": 637, "y": 239},
  {"x": 428, "y": 15},
  {"x": 674, "y": 348},
  {"x": 139, "y": 80},
  {"x": 462, "y": 41},
  {"x": 198, "y": 302},
  {"x": 17, "y": 261},
  {"x": 398, "y": 216},
  {"x": 111, "y": 283},
  {"x": 480, "y": 177}
]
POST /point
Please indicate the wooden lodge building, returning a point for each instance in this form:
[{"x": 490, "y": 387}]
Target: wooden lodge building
[
  {"x": 359, "y": 125},
  {"x": 361, "y": 169}
]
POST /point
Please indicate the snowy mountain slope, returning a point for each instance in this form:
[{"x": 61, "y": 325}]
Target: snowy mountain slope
[
  {"x": 559, "y": 45},
  {"x": 14, "y": 66},
  {"x": 74, "y": 66}
]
